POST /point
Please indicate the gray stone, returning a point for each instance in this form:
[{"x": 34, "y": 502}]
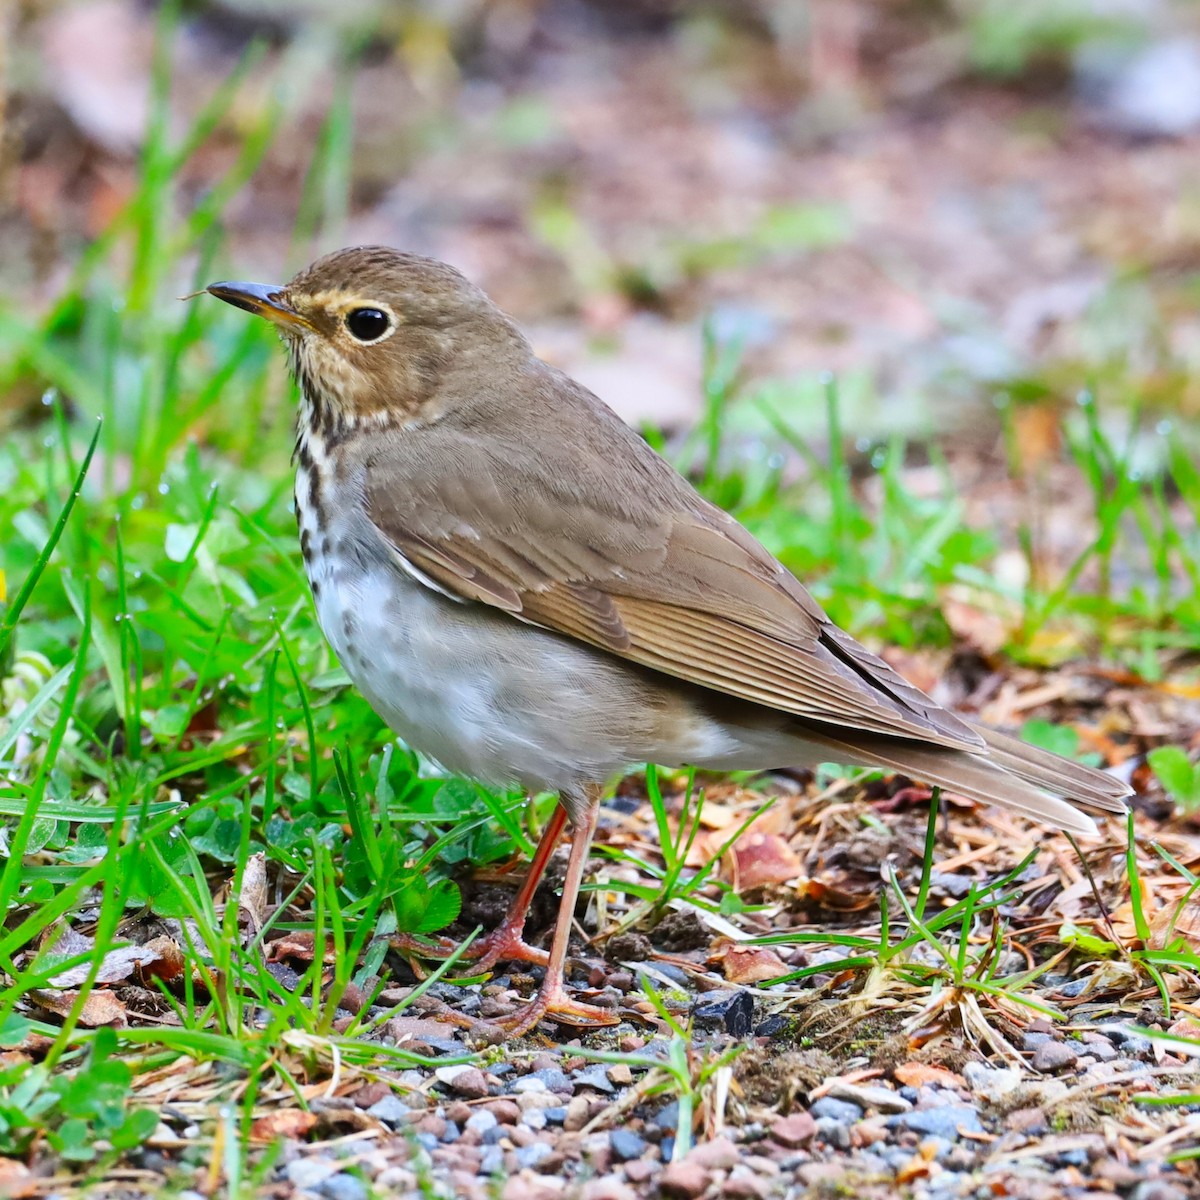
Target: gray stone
[
  {"x": 342, "y": 1187},
  {"x": 391, "y": 1110},
  {"x": 527, "y": 1083},
  {"x": 732, "y": 1012},
  {"x": 1157, "y": 1189},
  {"x": 830, "y": 1108},
  {"x": 833, "y": 1133},
  {"x": 1152, "y": 92},
  {"x": 667, "y": 1117},
  {"x": 480, "y": 1122},
  {"x": 533, "y": 1154},
  {"x": 626, "y": 1145},
  {"x": 308, "y": 1173},
  {"x": 992, "y": 1083},
  {"x": 592, "y": 1077},
  {"x": 943, "y": 1121},
  {"x": 554, "y": 1079}
]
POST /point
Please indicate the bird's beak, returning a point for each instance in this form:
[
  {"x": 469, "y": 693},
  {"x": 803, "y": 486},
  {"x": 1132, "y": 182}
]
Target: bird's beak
[{"x": 262, "y": 299}]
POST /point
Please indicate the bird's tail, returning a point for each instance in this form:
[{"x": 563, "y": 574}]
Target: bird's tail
[{"x": 1027, "y": 780}]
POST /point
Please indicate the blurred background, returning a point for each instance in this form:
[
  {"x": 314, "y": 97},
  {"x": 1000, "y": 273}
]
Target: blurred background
[{"x": 932, "y": 198}]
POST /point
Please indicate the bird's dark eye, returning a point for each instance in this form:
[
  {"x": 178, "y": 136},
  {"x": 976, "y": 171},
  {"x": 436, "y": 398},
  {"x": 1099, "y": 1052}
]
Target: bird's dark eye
[{"x": 367, "y": 324}]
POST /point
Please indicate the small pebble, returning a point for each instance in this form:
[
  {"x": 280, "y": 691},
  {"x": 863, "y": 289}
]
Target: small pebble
[
  {"x": 1157, "y": 1189},
  {"x": 594, "y": 1077},
  {"x": 342, "y": 1187},
  {"x": 607, "y": 1189},
  {"x": 534, "y": 1118},
  {"x": 577, "y": 1114},
  {"x": 797, "y": 1129},
  {"x": 836, "y": 1110},
  {"x": 1054, "y": 1056},
  {"x": 530, "y": 1083},
  {"x": 469, "y": 1082},
  {"x": 833, "y": 1133},
  {"x": 507, "y": 1112},
  {"x": 772, "y": 1026},
  {"x": 731, "y": 1011},
  {"x": 556, "y": 1080},
  {"x": 992, "y": 1083},
  {"x": 626, "y": 1145},
  {"x": 684, "y": 1180},
  {"x": 306, "y": 1173},
  {"x": 481, "y": 1121},
  {"x": 391, "y": 1110},
  {"x": 667, "y": 1117},
  {"x": 533, "y": 1154},
  {"x": 717, "y": 1154},
  {"x": 943, "y": 1121}
]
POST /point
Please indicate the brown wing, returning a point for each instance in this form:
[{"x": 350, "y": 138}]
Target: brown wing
[{"x": 607, "y": 544}]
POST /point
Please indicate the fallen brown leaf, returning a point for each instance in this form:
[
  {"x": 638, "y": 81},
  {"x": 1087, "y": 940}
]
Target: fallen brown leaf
[
  {"x": 16, "y": 1179},
  {"x": 748, "y": 964},
  {"x": 252, "y": 899},
  {"x": 916, "y": 1074},
  {"x": 100, "y": 1008},
  {"x": 117, "y": 965},
  {"x": 286, "y": 1123},
  {"x": 762, "y": 859}
]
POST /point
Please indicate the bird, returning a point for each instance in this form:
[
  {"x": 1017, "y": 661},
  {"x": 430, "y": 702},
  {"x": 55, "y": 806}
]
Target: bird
[{"x": 528, "y": 594}]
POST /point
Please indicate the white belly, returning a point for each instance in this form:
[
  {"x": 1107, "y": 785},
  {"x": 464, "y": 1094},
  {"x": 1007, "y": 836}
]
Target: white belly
[{"x": 488, "y": 696}]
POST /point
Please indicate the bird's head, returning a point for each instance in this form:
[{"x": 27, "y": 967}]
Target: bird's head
[{"x": 373, "y": 333}]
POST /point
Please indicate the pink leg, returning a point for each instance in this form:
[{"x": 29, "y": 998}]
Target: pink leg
[
  {"x": 505, "y": 942},
  {"x": 552, "y": 999}
]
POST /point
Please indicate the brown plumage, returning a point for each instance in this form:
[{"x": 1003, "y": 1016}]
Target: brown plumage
[{"x": 527, "y": 592}]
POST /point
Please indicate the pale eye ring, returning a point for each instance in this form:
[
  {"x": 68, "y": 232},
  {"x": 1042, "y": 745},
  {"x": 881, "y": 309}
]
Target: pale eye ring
[{"x": 367, "y": 324}]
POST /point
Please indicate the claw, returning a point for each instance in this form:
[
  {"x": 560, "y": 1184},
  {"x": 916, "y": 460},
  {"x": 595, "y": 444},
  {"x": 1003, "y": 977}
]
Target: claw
[{"x": 554, "y": 1003}]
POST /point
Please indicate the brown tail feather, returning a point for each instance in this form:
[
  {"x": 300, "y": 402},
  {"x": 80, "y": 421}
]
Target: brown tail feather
[
  {"x": 1012, "y": 774},
  {"x": 1055, "y": 773}
]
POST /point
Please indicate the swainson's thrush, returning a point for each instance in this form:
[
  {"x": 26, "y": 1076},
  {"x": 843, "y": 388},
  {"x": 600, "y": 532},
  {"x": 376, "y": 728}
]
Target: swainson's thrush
[{"x": 530, "y": 595}]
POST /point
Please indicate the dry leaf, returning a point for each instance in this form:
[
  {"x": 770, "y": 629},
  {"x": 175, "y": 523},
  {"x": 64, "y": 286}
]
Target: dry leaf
[
  {"x": 252, "y": 900},
  {"x": 748, "y": 964},
  {"x": 118, "y": 964},
  {"x": 761, "y": 859},
  {"x": 100, "y": 1007},
  {"x": 1167, "y": 924},
  {"x": 286, "y": 1123},
  {"x": 917, "y": 1074},
  {"x": 17, "y": 1180},
  {"x": 299, "y": 945},
  {"x": 984, "y": 631}
]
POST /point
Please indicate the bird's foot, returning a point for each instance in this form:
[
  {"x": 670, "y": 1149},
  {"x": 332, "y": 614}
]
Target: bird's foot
[
  {"x": 503, "y": 944},
  {"x": 553, "y": 1002}
]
